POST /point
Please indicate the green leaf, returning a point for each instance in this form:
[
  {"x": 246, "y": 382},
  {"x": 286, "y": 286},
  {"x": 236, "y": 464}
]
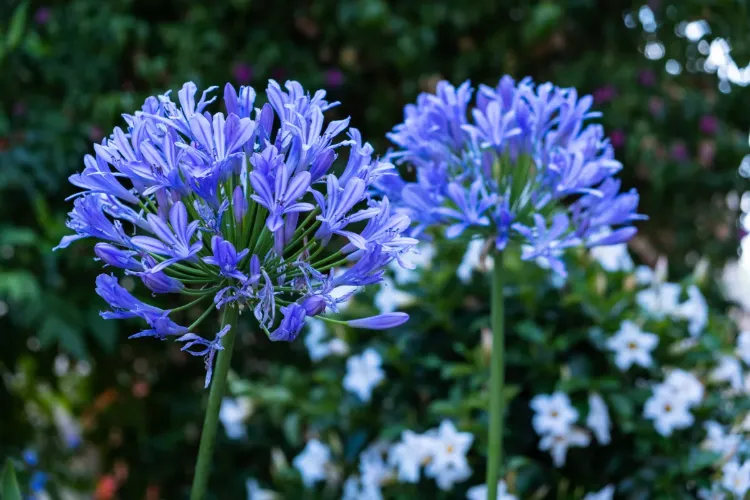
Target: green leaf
[
  {"x": 10, "y": 488},
  {"x": 17, "y": 24}
]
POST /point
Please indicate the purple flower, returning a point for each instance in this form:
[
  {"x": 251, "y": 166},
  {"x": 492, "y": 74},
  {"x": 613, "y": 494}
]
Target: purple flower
[
  {"x": 547, "y": 245},
  {"x": 604, "y": 94},
  {"x": 293, "y": 322},
  {"x": 617, "y": 138},
  {"x": 124, "y": 305},
  {"x": 282, "y": 197},
  {"x": 470, "y": 207},
  {"x": 680, "y": 152},
  {"x": 226, "y": 258},
  {"x": 647, "y": 78},
  {"x": 42, "y": 15},
  {"x": 161, "y": 328},
  {"x": 380, "y": 322},
  {"x": 708, "y": 124},
  {"x": 242, "y": 72},
  {"x": 239, "y": 204},
  {"x": 115, "y": 257},
  {"x": 198, "y": 346},
  {"x": 173, "y": 242},
  {"x": 155, "y": 190},
  {"x": 334, "y": 78}
]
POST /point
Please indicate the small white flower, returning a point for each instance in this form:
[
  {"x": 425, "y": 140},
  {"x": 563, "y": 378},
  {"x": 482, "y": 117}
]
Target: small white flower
[
  {"x": 730, "y": 371},
  {"x": 420, "y": 259},
  {"x": 660, "y": 300},
  {"x": 718, "y": 441},
  {"x": 471, "y": 261},
  {"x": 356, "y": 489},
  {"x": 684, "y": 385},
  {"x": 479, "y": 492},
  {"x": 373, "y": 469},
  {"x": 255, "y": 492},
  {"x": 736, "y": 478},
  {"x": 409, "y": 454},
  {"x": 233, "y": 413},
  {"x": 448, "y": 464},
  {"x": 389, "y": 298},
  {"x": 363, "y": 373},
  {"x": 632, "y": 346},
  {"x": 552, "y": 413},
  {"x": 613, "y": 258},
  {"x": 605, "y": 493},
  {"x": 558, "y": 444},
  {"x": 694, "y": 310},
  {"x": 598, "y": 418},
  {"x": 644, "y": 275},
  {"x": 743, "y": 347},
  {"x": 317, "y": 346},
  {"x": 668, "y": 410},
  {"x": 312, "y": 462}
]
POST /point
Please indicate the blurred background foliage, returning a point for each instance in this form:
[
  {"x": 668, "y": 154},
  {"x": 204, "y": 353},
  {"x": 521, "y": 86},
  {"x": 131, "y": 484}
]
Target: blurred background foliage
[{"x": 674, "y": 103}]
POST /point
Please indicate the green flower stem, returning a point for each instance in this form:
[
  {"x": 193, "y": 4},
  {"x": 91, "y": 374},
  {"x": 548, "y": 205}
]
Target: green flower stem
[
  {"x": 211, "y": 421},
  {"x": 495, "y": 451}
]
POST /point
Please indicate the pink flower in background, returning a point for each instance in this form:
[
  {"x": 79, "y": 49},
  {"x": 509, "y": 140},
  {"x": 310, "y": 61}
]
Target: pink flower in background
[
  {"x": 42, "y": 15},
  {"x": 617, "y": 138},
  {"x": 95, "y": 133},
  {"x": 604, "y": 94},
  {"x": 647, "y": 78},
  {"x": 708, "y": 124},
  {"x": 679, "y": 151},
  {"x": 242, "y": 72},
  {"x": 706, "y": 152},
  {"x": 334, "y": 78}
]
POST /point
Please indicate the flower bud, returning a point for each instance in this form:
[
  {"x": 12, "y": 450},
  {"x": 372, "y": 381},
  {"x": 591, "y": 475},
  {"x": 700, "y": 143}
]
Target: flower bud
[
  {"x": 314, "y": 305},
  {"x": 380, "y": 322},
  {"x": 113, "y": 256}
]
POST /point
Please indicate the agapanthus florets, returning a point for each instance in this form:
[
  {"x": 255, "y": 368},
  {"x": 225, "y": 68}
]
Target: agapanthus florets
[
  {"x": 520, "y": 165},
  {"x": 239, "y": 208}
]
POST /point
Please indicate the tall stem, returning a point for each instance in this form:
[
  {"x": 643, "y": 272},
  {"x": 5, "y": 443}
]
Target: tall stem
[
  {"x": 211, "y": 421},
  {"x": 495, "y": 452}
]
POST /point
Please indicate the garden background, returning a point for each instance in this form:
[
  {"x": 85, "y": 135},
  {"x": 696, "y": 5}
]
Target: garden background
[{"x": 122, "y": 418}]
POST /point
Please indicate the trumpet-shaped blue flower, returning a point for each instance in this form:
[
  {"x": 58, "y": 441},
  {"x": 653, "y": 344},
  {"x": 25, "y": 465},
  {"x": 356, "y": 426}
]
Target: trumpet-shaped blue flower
[
  {"x": 236, "y": 209},
  {"x": 522, "y": 153}
]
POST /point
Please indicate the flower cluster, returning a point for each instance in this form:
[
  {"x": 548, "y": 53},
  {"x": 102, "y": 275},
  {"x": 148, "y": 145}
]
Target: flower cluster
[
  {"x": 241, "y": 208},
  {"x": 522, "y": 165}
]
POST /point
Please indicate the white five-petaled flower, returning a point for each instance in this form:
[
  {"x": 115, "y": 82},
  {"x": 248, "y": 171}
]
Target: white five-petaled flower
[
  {"x": 605, "y": 493},
  {"x": 736, "y": 478},
  {"x": 373, "y": 470},
  {"x": 448, "y": 464},
  {"x": 558, "y": 444},
  {"x": 410, "y": 454},
  {"x": 719, "y": 441},
  {"x": 669, "y": 411},
  {"x": 363, "y": 373},
  {"x": 598, "y": 418},
  {"x": 233, "y": 413},
  {"x": 317, "y": 346},
  {"x": 389, "y": 298},
  {"x": 743, "y": 347},
  {"x": 729, "y": 370},
  {"x": 255, "y": 492},
  {"x": 684, "y": 385},
  {"x": 473, "y": 260},
  {"x": 479, "y": 492},
  {"x": 632, "y": 346},
  {"x": 420, "y": 258},
  {"x": 312, "y": 462},
  {"x": 552, "y": 413},
  {"x": 613, "y": 258},
  {"x": 694, "y": 310},
  {"x": 660, "y": 300}
]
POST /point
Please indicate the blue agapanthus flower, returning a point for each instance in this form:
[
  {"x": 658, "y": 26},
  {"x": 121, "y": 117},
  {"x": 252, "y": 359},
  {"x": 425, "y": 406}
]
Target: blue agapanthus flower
[
  {"x": 241, "y": 209},
  {"x": 520, "y": 163}
]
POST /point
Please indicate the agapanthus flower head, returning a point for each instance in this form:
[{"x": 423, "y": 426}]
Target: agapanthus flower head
[
  {"x": 518, "y": 163},
  {"x": 241, "y": 210}
]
